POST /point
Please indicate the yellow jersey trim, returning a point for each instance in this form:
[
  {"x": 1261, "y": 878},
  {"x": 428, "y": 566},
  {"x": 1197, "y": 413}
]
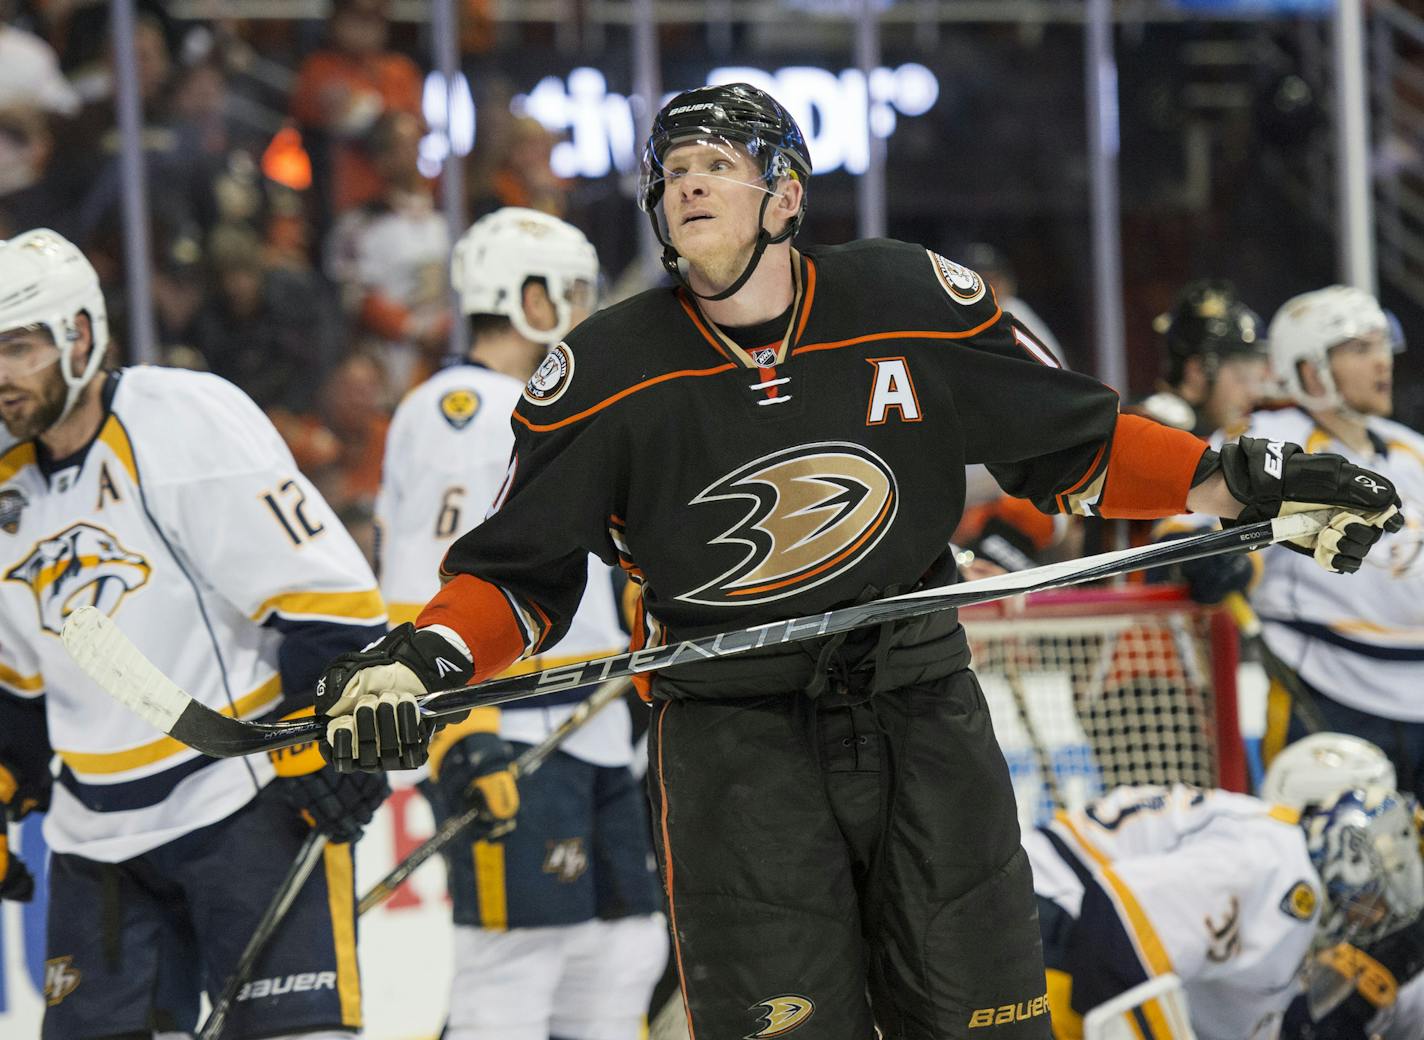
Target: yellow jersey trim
[
  {"x": 103, "y": 762},
  {"x": 1149, "y": 944},
  {"x": 13, "y": 679},
  {"x": 365, "y": 605},
  {"x": 117, "y": 438},
  {"x": 16, "y": 459}
]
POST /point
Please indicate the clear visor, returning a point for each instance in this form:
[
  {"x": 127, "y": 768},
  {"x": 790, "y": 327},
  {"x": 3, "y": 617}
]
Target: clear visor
[
  {"x": 704, "y": 154},
  {"x": 25, "y": 351}
]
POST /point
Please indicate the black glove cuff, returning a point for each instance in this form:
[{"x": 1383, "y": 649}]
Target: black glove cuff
[
  {"x": 1254, "y": 469},
  {"x": 435, "y": 662}
]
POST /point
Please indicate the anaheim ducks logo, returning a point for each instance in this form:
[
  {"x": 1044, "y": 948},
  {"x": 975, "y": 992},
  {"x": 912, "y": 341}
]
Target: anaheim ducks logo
[
  {"x": 83, "y": 565},
  {"x": 780, "y": 1015},
  {"x": 815, "y": 510}
]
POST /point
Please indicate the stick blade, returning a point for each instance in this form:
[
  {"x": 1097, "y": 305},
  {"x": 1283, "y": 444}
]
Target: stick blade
[{"x": 104, "y": 653}]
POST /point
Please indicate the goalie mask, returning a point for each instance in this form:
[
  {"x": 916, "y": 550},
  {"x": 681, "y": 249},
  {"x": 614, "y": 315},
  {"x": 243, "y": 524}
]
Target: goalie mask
[
  {"x": 46, "y": 281},
  {"x": 1309, "y": 326},
  {"x": 1317, "y": 768},
  {"x": 1364, "y": 844},
  {"x": 736, "y": 119},
  {"x": 501, "y": 252}
]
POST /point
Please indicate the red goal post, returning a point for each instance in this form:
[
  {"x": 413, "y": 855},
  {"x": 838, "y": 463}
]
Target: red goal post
[{"x": 1094, "y": 688}]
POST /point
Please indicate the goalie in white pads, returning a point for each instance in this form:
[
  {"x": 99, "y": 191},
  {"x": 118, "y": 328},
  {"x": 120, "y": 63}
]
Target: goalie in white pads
[
  {"x": 1229, "y": 893},
  {"x": 558, "y": 932},
  {"x": 167, "y": 500}
]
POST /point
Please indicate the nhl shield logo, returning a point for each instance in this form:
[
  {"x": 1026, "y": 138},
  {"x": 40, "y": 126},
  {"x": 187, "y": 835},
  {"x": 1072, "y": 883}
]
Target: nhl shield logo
[
  {"x": 458, "y": 407},
  {"x": 12, "y": 504},
  {"x": 766, "y": 357},
  {"x": 552, "y": 377}
]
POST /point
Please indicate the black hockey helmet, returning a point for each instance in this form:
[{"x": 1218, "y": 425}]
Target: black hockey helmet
[
  {"x": 733, "y": 112},
  {"x": 1211, "y": 322}
]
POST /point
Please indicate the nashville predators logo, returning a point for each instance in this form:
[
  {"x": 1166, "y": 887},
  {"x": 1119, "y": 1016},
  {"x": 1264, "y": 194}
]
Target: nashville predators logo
[
  {"x": 83, "y": 565},
  {"x": 780, "y": 1015},
  {"x": 61, "y": 979},
  {"x": 815, "y": 510},
  {"x": 458, "y": 407}
]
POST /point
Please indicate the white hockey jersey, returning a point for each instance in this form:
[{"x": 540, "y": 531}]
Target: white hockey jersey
[
  {"x": 447, "y": 454},
  {"x": 1357, "y": 639},
  {"x": 187, "y": 522},
  {"x": 1214, "y": 886}
]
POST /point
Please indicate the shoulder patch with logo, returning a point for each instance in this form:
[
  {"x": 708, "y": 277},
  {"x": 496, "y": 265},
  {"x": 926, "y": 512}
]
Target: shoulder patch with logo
[
  {"x": 12, "y": 504},
  {"x": 963, "y": 285},
  {"x": 458, "y": 406},
  {"x": 552, "y": 377},
  {"x": 1300, "y": 901}
]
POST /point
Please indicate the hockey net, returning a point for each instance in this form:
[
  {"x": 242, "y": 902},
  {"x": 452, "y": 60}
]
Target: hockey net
[{"x": 1093, "y": 688}]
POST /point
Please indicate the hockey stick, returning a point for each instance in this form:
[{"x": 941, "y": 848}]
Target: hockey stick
[
  {"x": 105, "y": 654},
  {"x": 307, "y": 857},
  {"x": 527, "y": 763}
]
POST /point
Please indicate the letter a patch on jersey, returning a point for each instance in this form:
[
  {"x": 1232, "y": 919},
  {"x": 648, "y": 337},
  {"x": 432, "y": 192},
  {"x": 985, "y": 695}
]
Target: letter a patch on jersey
[{"x": 892, "y": 387}]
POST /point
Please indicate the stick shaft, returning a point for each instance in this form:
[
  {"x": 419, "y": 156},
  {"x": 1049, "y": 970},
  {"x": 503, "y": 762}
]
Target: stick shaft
[{"x": 306, "y": 860}]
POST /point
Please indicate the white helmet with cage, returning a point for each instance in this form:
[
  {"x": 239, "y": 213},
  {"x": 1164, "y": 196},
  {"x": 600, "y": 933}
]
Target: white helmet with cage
[
  {"x": 1317, "y": 768},
  {"x": 1308, "y": 325},
  {"x": 1364, "y": 844},
  {"x": 500, "y": 252},
  {"x": 45, "y": 280}
]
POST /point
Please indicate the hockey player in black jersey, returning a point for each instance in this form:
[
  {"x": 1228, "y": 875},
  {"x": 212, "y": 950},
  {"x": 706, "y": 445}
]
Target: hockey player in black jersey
[{"x": 781, "y": 433}]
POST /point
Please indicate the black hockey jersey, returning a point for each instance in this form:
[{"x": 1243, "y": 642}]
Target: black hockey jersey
[{"x": 740, "y": 486}]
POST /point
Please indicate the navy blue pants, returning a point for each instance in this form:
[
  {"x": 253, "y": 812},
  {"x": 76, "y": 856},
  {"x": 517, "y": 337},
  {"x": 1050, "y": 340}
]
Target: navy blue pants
[
  {"x": 131, "y": 945},
  {"x": 580, "y": 851}
]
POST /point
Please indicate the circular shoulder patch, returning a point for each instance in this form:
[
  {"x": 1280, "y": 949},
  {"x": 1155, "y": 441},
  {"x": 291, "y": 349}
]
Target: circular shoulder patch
[
  {"x": 458, "y": 406},
  {"x": 963, "y": 285},
  {"x": 1299, "y": 902},
  {"x": 552, "y": 377}
]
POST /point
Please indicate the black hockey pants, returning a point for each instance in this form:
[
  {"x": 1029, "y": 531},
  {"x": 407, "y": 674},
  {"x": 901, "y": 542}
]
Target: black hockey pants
[{"x": 835, "y": 867}]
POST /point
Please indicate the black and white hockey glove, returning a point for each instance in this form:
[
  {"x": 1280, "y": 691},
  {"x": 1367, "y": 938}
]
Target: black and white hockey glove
[
  {"x": 18, "y": 799},
  {"x": 370, "y": 697},
  {"x": 337, "y": 804},
  {"x": 470, "y": 765},
  {"x": 1277, "y": 478}
]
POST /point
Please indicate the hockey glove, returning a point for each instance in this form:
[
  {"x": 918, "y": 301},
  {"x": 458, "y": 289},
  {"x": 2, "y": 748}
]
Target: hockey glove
[
  {"x": 1276, "y": 478},
  {"x": 18, "y": 800},
  {"x": 1212, "y": 578},
  {"x": 370, "y": 697},
  {"x": 337, "y": 804},
  {"x": 470, "y": 765}
]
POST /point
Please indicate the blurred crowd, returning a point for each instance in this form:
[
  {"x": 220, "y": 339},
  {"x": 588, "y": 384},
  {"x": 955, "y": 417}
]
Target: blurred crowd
[{"x": 298, "y": 246}]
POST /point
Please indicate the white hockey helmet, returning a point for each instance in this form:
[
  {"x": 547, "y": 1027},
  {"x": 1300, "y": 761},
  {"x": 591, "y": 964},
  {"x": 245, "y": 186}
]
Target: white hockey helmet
[
  {"x": 503, "y": 250},
  {"x": 45, "y": 280},
  {"x": 1317, "y": 768},
  {"x": 1364, "y": 844},
  {"x": 1308, "y": 325}
]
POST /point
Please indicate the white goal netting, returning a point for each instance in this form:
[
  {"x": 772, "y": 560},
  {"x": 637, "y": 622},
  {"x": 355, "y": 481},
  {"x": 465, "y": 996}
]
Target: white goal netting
[{"x": 1096, "y": 688}]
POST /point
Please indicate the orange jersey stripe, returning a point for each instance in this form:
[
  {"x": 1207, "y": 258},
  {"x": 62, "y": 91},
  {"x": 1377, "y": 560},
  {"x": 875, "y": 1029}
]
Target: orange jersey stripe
[
  {"x": 480, "y": 614},
  {"x": 579, "y": 416},
  {"x": 1150, "y": 469},
  {"x": 1063, "y": 504},
  {"x": 909, "y": 334}
]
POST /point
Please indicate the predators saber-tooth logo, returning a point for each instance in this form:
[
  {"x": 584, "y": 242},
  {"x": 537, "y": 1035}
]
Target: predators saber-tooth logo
[
  {"x": 780, "y": 1015},
  {"x": 83, "y": 565},
  {"x": 814, "y": 511},
  {"x": 61, "y": 979}
]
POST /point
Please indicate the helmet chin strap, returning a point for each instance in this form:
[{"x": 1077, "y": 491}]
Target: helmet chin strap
[{"x": 764, "y": 239}]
